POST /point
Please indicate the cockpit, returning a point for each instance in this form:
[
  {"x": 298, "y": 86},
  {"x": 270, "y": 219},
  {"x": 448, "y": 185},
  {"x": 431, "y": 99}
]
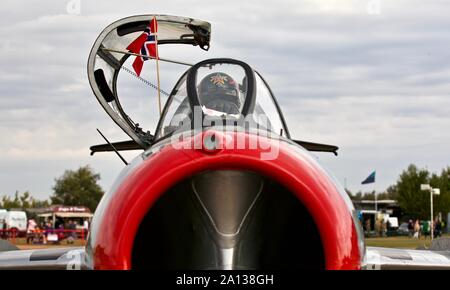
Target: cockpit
[
  {"x": 215, "y": 93},
  {"x": 221, "y": 92}
]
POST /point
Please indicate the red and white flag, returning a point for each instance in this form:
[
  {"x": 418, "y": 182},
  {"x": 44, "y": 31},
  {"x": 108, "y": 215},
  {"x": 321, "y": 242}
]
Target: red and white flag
[{"x": 146, "y": 45}]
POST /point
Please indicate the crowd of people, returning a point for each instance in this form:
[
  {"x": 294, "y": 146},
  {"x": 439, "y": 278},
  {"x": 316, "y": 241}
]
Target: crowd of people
[
  {"x": 419, "y": 228},
  {"x": 44, "y": 232},
  {"x": 380, "y": 226}
]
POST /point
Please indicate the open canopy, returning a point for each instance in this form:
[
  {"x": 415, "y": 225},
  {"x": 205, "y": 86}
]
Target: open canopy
[
  {"x": 106, "y": 60},
  {"x": 223, "y": 88}
]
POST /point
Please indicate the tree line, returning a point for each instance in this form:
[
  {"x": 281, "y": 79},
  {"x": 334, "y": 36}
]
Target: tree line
[
  {"x": 75, "y": 187},
  {"x": 80, "y": 188},
  {"x": 411, "y": 200}
]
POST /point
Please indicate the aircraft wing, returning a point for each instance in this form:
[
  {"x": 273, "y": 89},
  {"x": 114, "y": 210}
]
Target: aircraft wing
[
  {"x": 403, "y": 259},
  {"x": 132, "y": 145},
  {"x": 43, "y": 259},
  {"x": 119, "y": 146},
  {"x": 317, "y": 147},
  {"x": 376, "y": 259}
]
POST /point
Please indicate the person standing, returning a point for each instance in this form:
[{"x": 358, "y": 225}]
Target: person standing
[
  {"x": 368, "y": 227},
  {"x": 416, "y": 229},
  {"x": 437, "y": 228},
  {"x": 31, "y": 227},
  {"x": 72, "y": 227},
  {"x": 378, "y": 227},
  {"x": 383, "y": 228},
  {"x": 60, "y": 232},
  {"x": 410, "y": 228},
  {"x": 426, "y": 229},
  {"x": 85, "y": 228}
]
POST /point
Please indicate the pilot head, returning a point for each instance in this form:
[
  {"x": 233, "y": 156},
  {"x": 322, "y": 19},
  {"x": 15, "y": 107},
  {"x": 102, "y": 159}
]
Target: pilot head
[{"x": 218, "y": 91}]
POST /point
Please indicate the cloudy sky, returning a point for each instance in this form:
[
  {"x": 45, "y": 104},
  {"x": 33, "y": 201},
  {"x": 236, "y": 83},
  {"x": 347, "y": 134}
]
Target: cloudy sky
[{"x": 371, "y": 76}]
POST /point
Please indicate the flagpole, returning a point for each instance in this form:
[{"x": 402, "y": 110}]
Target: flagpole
[
  {"x": 375, "y": 193},
  {"x": 157, "y": 65}
]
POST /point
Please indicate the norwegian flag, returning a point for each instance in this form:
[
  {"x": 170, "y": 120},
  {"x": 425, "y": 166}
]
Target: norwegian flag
[{"x": 146, "y": 45}]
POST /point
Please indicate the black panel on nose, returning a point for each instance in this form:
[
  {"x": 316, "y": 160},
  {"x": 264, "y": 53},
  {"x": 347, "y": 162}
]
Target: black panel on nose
[
  {"x": 227, "y": 197},
  {"x": 228, "y": 219}
]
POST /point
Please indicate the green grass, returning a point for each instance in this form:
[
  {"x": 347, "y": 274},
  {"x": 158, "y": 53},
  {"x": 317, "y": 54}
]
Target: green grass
[
  {"x": 389, "y": 242},
  {"x": 398, "y": 242},
  {"x": 23, "y": 242}
]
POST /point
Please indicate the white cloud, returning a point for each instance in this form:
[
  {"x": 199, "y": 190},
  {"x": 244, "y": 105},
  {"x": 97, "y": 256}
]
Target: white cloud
[{"x": 377, "y": 85}]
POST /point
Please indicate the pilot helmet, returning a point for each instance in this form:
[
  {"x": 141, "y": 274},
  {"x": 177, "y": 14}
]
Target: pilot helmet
[{"x": 219, "y": 91}]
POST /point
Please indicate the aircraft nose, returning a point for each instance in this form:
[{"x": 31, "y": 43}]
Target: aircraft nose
[
  {"x": 213, "y": 141},
  {"x": 210, "y": 141}
]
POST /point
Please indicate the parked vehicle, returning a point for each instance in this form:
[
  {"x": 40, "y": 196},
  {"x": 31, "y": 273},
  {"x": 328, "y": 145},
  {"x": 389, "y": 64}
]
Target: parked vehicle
[
  {"x": 2, "y": 217},
  {"x": 16, "y": 221},
  {"x": 403, "y": 230}
]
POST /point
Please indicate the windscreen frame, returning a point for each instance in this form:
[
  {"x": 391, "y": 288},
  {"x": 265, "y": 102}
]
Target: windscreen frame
[{"x": 191, "y": 83}]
